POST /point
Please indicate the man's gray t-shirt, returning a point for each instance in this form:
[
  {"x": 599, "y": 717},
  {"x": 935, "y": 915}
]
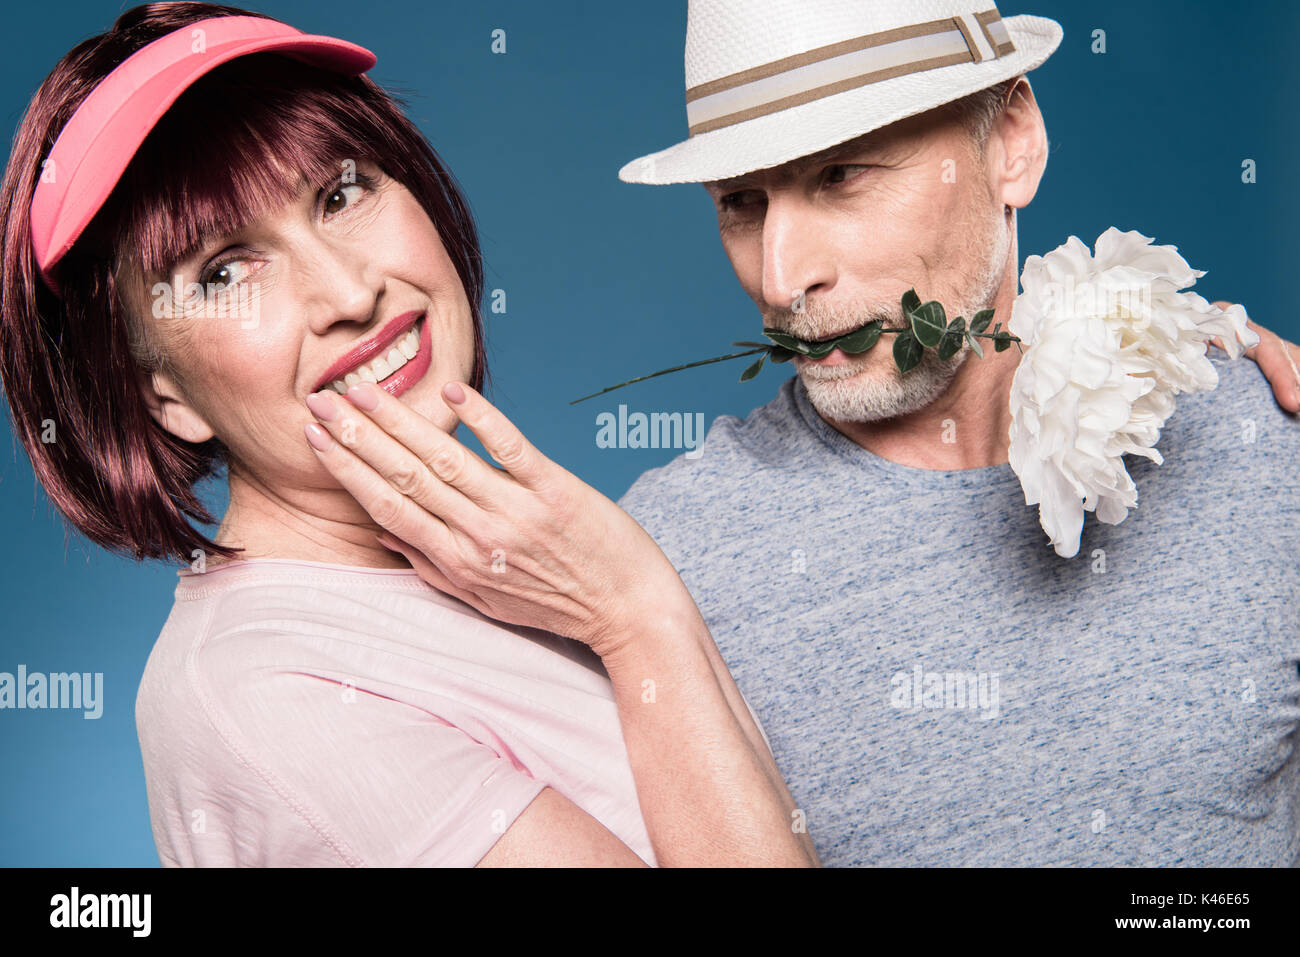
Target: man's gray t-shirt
[{"x": 940, "y": 688}]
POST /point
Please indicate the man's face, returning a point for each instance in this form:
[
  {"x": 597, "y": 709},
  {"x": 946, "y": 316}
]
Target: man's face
[{"x": 850, "y": 230}]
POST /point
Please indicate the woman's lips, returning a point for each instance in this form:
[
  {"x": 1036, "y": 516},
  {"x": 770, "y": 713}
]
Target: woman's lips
[
  {"x": 372, "y": 348},
  {"x": 414, "y": 370}
]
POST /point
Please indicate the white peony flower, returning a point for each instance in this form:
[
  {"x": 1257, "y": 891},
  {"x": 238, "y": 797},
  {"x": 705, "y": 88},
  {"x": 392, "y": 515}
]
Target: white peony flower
[{"x": 1108, "y": 341}]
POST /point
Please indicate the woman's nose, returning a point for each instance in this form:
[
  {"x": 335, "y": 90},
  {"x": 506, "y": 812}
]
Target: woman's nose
[{"x": 336, "y": 281}]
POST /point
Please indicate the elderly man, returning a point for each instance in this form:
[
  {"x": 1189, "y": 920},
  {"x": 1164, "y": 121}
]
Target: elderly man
[{"x": 939, "y": 687}]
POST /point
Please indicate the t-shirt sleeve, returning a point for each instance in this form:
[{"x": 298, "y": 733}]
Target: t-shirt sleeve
[{"x": 329, "y": 773}]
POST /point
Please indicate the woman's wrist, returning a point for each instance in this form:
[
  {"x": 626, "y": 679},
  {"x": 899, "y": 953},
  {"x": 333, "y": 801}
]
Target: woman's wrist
[{"x": 650, "y": 629}]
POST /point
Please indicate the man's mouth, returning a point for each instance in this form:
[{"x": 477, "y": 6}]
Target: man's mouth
[{"x": 833, "y": 335}]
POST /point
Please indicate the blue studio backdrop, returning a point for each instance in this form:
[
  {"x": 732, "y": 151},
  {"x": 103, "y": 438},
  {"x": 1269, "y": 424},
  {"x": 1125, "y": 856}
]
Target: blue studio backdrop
[{"x": 603, "y": 280}]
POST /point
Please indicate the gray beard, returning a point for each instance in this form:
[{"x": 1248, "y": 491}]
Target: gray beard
[
  {"x": 850, "y": 393},
  {"x": 844, "y": 394}
]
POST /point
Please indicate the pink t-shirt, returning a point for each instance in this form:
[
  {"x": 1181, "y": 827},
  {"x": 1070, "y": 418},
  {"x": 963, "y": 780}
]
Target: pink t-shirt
[{"x": 299, "y": 713}]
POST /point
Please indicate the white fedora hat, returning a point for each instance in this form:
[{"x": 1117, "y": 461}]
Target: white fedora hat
[{"x": 768, "y": 81}]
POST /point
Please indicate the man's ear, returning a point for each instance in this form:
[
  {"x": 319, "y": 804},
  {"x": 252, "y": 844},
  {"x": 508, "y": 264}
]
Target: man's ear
[
  {"x": 167, "y": 404},
  {"x": 1018, "y": 147}
]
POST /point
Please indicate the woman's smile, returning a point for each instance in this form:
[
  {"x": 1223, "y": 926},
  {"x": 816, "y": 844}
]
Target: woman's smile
[{"x": 395, "y": 359}]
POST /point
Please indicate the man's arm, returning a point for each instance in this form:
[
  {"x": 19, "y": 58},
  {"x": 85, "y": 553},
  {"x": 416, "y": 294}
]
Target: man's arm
[{"x": 1277, "y": 359}]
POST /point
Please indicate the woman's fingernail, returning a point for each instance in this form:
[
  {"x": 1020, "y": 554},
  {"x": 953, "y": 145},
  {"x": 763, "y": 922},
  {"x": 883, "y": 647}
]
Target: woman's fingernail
[
  {"x": 454, "y": 392},
  {"x": 321, "y": 406},
  {"x": 365, "y": 396},
  {"x": 318, "y": 437}
]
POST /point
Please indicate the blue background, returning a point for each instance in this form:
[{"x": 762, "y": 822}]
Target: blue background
[{"x": 606, "y": 280}]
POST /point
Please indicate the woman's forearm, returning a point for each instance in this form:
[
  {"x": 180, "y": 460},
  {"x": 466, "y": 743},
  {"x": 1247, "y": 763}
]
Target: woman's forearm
[{"x": 710, "y": 793}]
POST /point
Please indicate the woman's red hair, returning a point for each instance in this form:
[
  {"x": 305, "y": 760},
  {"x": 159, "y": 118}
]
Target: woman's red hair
[{"x": 231, "y": 148}]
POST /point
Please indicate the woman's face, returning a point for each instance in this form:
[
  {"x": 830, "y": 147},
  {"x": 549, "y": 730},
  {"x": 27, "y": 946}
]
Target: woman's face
[{"x": 282, "y": 302}]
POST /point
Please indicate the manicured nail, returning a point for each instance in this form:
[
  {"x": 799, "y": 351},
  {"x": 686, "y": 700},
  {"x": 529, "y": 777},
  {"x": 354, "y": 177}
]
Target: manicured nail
[
  {"x": 365, "y": 396},
  {"x": 321, "y": 406},
  {"x": 318, "y": 437},
  {"x": 454, "y": 392}
]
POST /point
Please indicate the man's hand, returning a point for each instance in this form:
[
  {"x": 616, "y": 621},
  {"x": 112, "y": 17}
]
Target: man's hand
[{"x": 1277, "y": 360}]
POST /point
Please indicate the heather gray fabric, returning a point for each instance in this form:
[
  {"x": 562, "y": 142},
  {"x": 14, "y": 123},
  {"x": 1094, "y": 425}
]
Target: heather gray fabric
[{"x": 941, "y": 689}]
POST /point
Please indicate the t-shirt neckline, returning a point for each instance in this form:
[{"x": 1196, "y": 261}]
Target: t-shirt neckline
[
  {"x": 186, "y": 573},
  {"x": 850, "y": 451}
]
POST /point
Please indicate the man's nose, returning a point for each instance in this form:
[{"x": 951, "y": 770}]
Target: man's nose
[{"x": 796, "y": 254}]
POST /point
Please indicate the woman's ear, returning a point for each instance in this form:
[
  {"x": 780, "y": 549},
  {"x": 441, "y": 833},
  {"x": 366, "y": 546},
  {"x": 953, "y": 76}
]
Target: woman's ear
[
  {"x": 1018, "y": 147},
  {"x": 167, "y": 404}
]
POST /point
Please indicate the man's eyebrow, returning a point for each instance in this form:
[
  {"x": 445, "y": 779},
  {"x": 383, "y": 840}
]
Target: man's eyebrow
[{"x": 797, "y": 167}]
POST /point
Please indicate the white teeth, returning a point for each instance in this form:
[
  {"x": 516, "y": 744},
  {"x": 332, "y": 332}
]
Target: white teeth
[{"x": 380, "y": 368}]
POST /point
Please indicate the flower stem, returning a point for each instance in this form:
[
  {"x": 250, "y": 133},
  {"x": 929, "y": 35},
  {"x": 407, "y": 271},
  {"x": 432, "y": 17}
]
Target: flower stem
[{"x": 689, "y": 365}]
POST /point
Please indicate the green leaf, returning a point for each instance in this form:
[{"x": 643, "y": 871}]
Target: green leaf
[
  {"x": 860, "y": 340},
  {"x": 753, "y": 370},
  {"x": 974, "y": 344},
  {"x": 907, "y": 351},
  {"x": 951, "y": 343},
  {"x": 786, "y": 340},
  {"x": 780, "y": 354},
  {"x": 910, "y": 301},
  {"x": 929, "y": 324},
  {"x": 1001, "y": 341},
  {"x": 981, "y": 320}
]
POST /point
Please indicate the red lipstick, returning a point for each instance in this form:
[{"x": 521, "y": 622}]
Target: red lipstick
[{"x": 376, "y": 345}]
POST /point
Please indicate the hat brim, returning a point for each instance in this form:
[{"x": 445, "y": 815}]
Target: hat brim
[{"x": 801, "y": 130}]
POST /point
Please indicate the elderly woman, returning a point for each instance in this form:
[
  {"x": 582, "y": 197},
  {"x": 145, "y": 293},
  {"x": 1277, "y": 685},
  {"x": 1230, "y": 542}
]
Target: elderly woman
[{"x": 220, "y": 233}]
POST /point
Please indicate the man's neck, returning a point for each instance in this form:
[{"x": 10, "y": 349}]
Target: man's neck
[{"x": 967, "y": 426}]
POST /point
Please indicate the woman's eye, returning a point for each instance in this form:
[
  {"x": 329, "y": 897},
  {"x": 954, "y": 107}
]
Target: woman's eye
[
  {"x": 223, "y": 274},
  {"x": 339, "y": 197}
]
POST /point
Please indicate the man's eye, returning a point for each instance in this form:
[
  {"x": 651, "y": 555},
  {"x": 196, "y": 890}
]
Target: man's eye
[
  {"x": 741, "y": 199},
  {"x": 842, "y": 172}
]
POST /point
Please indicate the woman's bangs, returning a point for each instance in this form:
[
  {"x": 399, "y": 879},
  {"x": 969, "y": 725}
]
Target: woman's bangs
[{"x": 234, "y": 147}]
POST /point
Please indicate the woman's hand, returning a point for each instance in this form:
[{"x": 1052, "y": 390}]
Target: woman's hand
[
  {"x": 1277, "y": 359},
  {"x": 531, "y": 545}
]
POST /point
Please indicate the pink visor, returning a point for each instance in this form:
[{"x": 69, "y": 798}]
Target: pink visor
[{"x": 98, "y": 142}]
